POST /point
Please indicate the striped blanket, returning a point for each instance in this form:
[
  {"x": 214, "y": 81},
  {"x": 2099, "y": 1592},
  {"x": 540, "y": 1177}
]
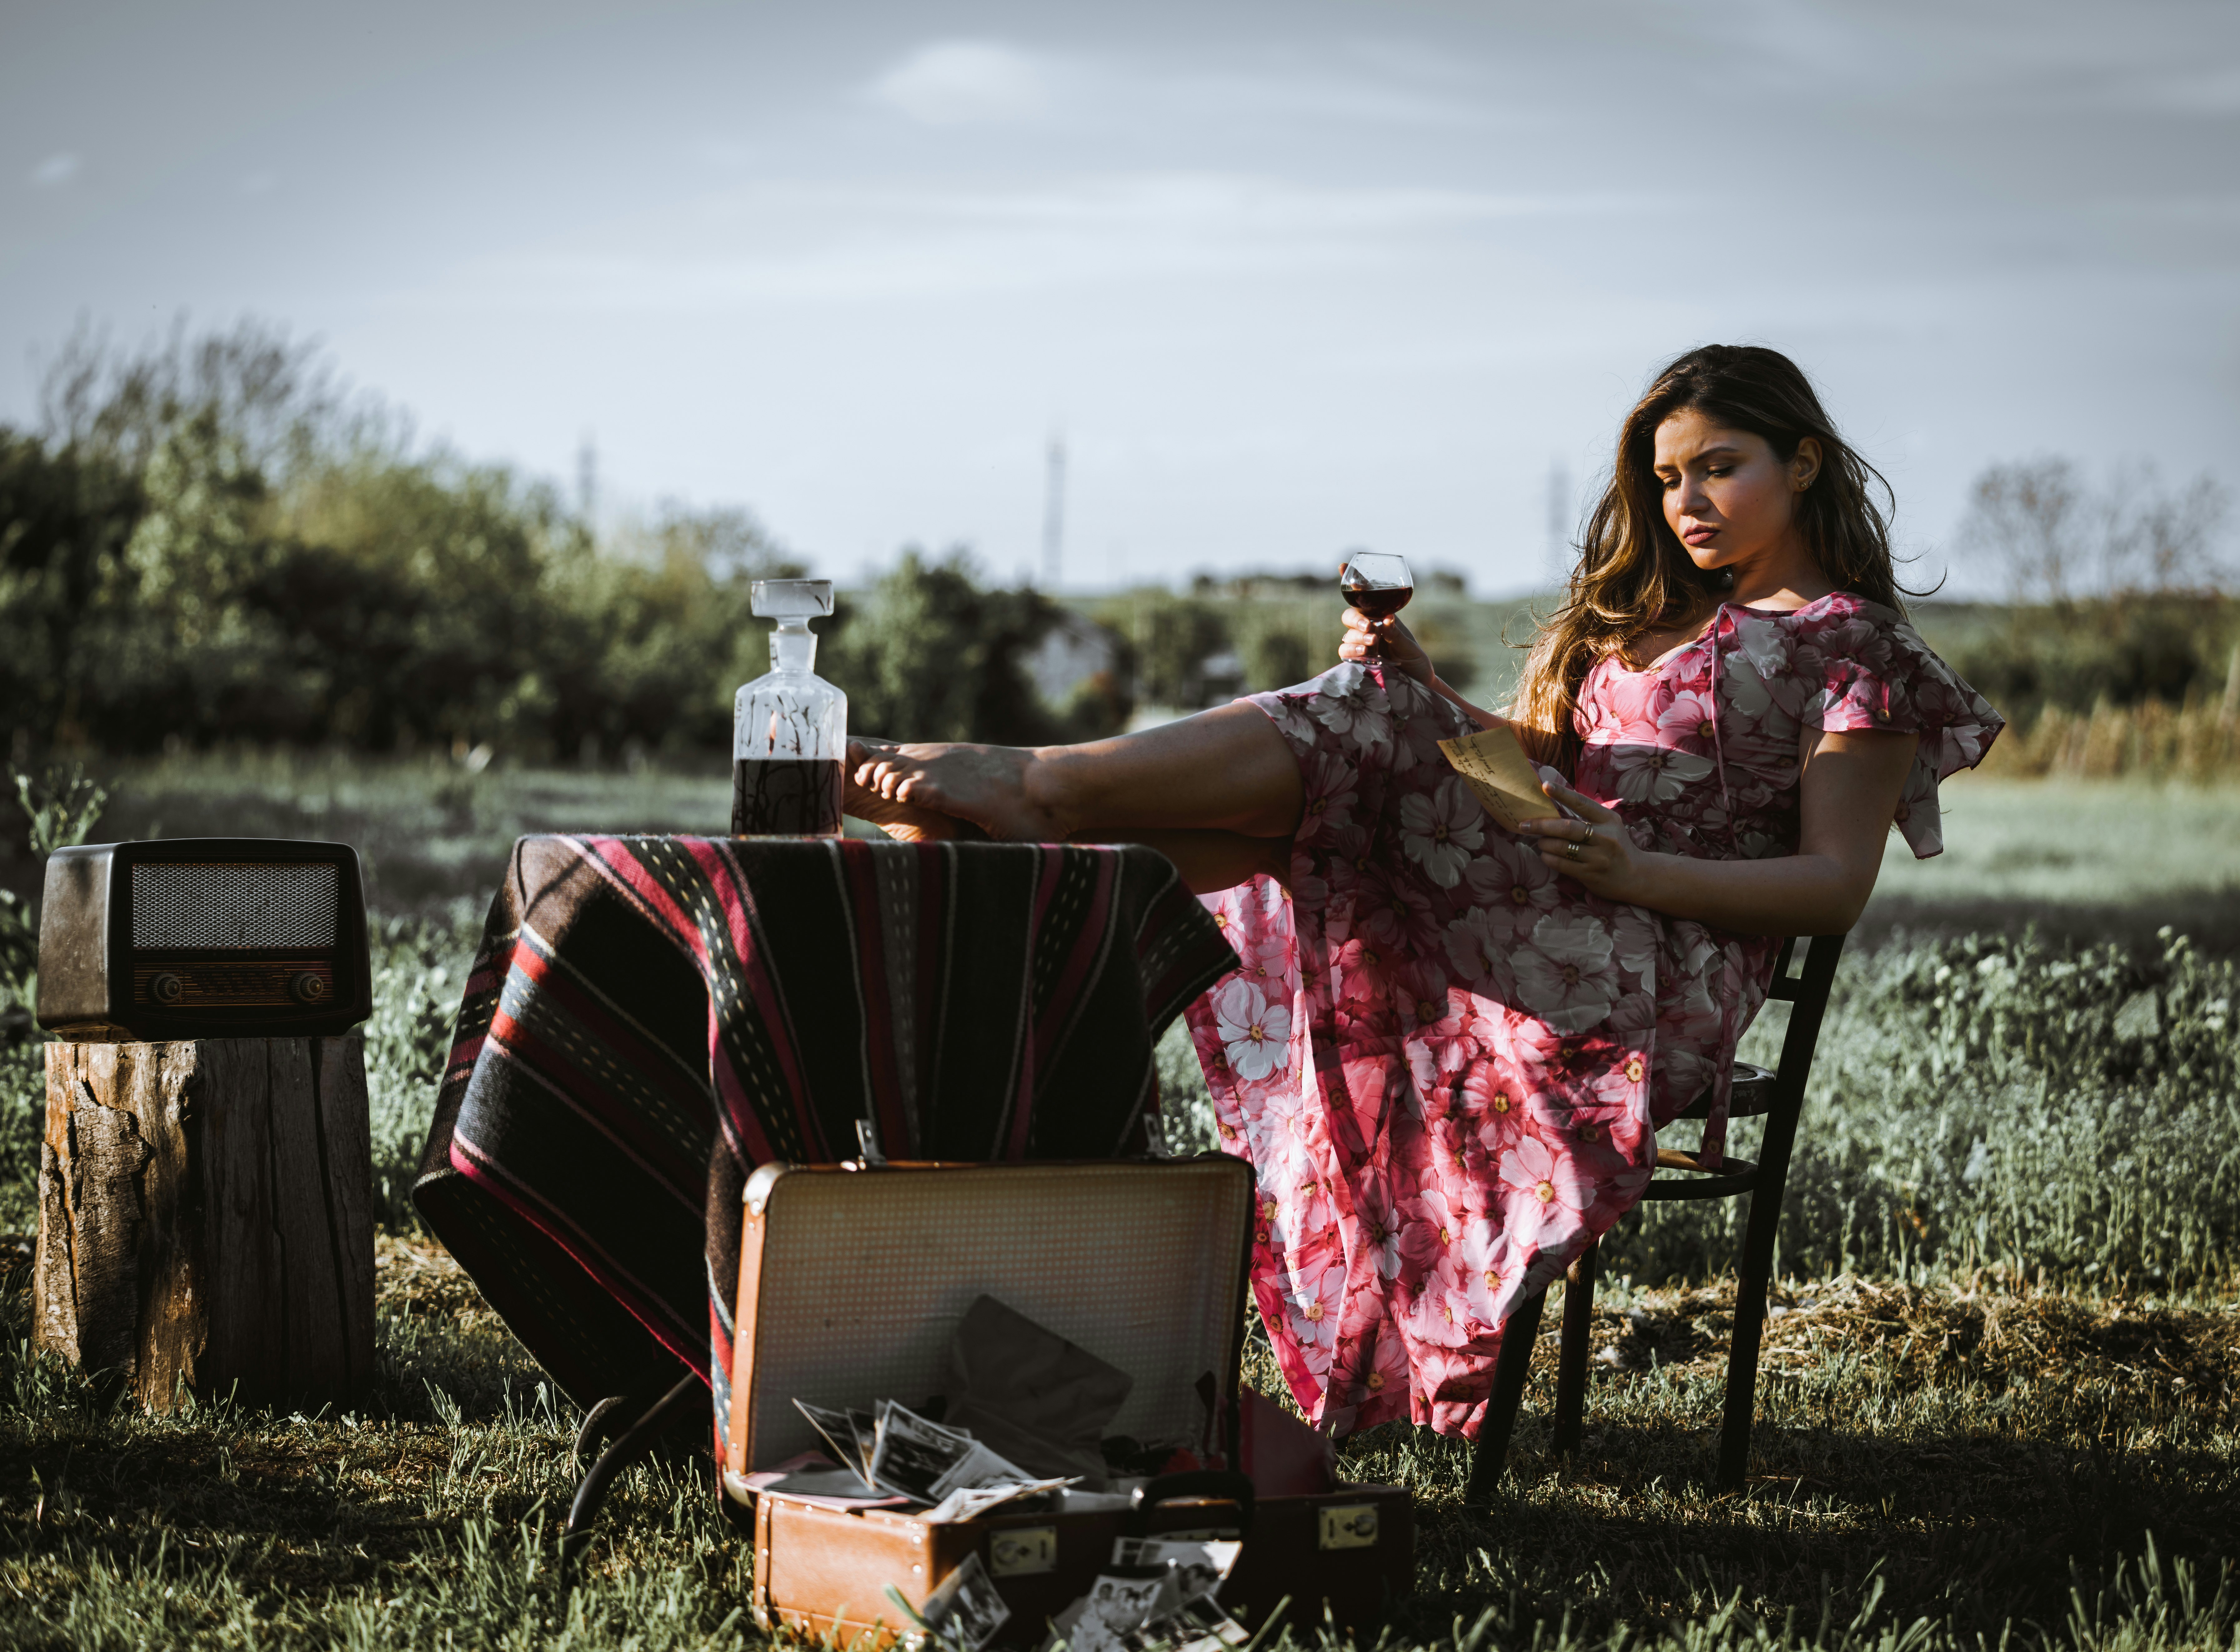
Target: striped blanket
[{"x": 649, "y": 1018}]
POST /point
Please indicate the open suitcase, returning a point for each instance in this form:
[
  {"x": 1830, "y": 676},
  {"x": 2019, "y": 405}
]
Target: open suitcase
[{"x": 852, "y": 1279}]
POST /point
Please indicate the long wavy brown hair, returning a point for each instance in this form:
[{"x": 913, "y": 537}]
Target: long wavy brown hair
[{"x": 1633, "y": 571}]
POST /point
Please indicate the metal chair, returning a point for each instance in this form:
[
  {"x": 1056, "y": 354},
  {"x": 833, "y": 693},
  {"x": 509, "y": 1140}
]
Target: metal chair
[{"x": 1778, "y": 1095}]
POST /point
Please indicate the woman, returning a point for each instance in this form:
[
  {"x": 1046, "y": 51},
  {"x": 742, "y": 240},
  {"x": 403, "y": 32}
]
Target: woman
[{"x": 1448, "y": 1049}]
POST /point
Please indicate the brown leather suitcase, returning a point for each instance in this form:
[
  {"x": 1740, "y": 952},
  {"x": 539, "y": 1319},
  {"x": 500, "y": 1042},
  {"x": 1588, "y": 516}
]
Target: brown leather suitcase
[{"x": 851, "y": 1281}]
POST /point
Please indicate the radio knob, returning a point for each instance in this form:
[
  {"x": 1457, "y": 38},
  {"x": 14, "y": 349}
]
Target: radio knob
[
  {"x": 167, "y": 989},
  {"x": 307, "y": 988}
]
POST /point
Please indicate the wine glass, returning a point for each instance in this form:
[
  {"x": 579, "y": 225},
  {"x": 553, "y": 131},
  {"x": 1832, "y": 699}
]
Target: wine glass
[{"x": 1376, "y": 583}]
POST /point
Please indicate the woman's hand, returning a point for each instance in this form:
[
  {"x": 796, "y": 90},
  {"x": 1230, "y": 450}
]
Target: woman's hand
[
  {"x": 1594, "y": 850},
  {"x": 1386, "y": 639}
]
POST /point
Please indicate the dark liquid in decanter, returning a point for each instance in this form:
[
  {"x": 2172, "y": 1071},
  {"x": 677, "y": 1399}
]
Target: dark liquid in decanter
[
  {"x": 785, "y": 798},
  {"x": 1377, "y": 601}
]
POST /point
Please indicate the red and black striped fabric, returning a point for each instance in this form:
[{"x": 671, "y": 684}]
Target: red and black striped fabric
[{"x": 649, "y": 1018}]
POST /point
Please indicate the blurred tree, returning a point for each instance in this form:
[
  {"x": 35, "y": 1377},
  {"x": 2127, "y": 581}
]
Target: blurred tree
[
  {"x": 662, "y": 629},
  {"x": 65, "y": 518},
  {"x": 192, "y": 645},
  {"x": 1447, "y": 645},
  {"x": 2060, "y": 539},
  {"x": 1171, "y": 638},
  {"x": 428, "y": 581},
  {"x": 1275, "y": 654},
  {"x": 273, "y": 395},
  {"x": 207, "y": 541},
  {"x": 2118, "y": 591},
  {"x": 933, "y": 655}
]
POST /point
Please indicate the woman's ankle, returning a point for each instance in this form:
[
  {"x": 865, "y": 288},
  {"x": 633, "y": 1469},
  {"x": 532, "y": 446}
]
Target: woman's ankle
[{"x": 1048, "y": 781}]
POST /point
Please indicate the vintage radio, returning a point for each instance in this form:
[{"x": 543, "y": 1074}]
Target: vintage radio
[{"x": 203, "y": 937}]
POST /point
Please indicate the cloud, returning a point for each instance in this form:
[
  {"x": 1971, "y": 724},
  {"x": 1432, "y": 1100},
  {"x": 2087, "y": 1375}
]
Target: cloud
[
  {"x": 964, "y": 83},
  {"x": 2213, "y": 92},
  {"x": 55, "y": 170},
  {"x": 792, "y": 243},
  {"x": 1370, "y": 88}
]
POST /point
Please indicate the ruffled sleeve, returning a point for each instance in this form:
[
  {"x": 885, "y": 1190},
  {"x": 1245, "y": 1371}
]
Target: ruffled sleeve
[{"x": 1876, "y": 672}]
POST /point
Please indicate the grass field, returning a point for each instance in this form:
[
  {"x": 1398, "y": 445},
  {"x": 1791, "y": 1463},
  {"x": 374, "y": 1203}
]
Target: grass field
[
  {"x": 1934, "y": 1466},
  {"x": 2094, "y": 860},
  {"x": 2090, "y": 860},
  {"x": 2000, "y": 1391}
]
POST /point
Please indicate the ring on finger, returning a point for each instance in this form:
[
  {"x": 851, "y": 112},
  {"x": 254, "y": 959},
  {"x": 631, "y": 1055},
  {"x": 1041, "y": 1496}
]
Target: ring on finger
[{"x": 1571, "y": 848}]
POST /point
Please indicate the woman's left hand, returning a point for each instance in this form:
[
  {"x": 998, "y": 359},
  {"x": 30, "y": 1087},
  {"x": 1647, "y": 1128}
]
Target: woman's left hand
[{"x": 1594, "y": 849}]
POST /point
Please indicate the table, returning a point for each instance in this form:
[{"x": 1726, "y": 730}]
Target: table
[{"x": 649, "y": 1018}]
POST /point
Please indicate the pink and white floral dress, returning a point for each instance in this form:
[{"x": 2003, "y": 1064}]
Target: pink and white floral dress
[{"x": 1446, "y": 1062}]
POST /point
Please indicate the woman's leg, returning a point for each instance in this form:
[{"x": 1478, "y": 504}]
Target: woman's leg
[
  {"x": 1225, "y": 770},
  {"x": 1210, "y": 862}
]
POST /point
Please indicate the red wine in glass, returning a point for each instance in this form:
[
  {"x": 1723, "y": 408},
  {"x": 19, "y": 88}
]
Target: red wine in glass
[{"x": 1377, "y": 584}]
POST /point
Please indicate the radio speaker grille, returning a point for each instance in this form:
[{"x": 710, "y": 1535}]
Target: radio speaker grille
[{"x": 205, "y": 903}]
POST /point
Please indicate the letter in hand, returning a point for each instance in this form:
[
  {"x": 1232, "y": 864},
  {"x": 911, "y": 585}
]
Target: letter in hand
[
  {"x": 1556, "y": 820},
  {"x": 1602, "y": 861},
  {"x": 1503, "y": 776}
]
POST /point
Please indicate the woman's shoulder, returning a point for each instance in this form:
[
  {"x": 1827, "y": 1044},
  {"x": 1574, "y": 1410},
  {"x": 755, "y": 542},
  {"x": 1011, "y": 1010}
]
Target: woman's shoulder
[
  {"x": 1843, "y": 623},
  {"x": 1845, "y": 647},
  {"x": 1836, "y": 608},
  {"x": 1870, "y": 669}
]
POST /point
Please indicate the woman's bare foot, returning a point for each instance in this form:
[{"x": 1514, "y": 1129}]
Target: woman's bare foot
[
  {"x": 989, "y": 786},
  {"x": 907, "y": 822}
]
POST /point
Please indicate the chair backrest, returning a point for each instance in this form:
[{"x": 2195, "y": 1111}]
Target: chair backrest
[{"x": 1806, "y": 993}]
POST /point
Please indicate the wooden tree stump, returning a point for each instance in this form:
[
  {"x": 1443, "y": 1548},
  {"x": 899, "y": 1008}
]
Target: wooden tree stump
[{"x": 205, "y": 1218}]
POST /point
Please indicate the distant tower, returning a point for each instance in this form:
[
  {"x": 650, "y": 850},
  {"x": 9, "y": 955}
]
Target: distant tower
[
  {"x": 1560, "y": 506},
  {"x": 587, "y": 478},
  {"x": 1054, "y": 514}
]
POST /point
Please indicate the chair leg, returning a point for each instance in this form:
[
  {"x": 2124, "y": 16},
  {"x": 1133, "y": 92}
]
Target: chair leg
[
  {"x": 638, "y": 1441},
  {"x": 1749, "y": 1331},
  {"x": 1491, "y": 1453},
  {"x": 1572, "y": 1366}
]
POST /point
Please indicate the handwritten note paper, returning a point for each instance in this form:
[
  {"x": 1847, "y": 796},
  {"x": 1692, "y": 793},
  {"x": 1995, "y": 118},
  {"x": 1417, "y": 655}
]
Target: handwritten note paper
[{"x": 1501, "y": 775}]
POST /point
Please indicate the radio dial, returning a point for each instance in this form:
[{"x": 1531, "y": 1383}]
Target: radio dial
[
  {"x": 167, "y": 989},
  {"x": 309, "y": 988}
]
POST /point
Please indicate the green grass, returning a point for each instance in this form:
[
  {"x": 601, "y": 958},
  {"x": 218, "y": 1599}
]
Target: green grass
[
  {"x": 432, "y": 836},
  {"x": 2087, "y": 860},
  {"x": 1999, "y": 1392}
]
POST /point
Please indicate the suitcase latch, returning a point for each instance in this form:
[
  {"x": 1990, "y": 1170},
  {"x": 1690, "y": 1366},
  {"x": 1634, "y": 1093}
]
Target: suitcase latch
[
  {"x": 1019, "y": 1551},
  {"x": 1351, "y": 1525}
]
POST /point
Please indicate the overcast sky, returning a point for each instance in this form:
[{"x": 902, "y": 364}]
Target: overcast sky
[{"x": 1288, "y": 277}]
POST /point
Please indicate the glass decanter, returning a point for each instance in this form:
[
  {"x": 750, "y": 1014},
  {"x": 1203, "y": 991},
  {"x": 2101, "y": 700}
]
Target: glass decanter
[{"x": 790, "y": 729}]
